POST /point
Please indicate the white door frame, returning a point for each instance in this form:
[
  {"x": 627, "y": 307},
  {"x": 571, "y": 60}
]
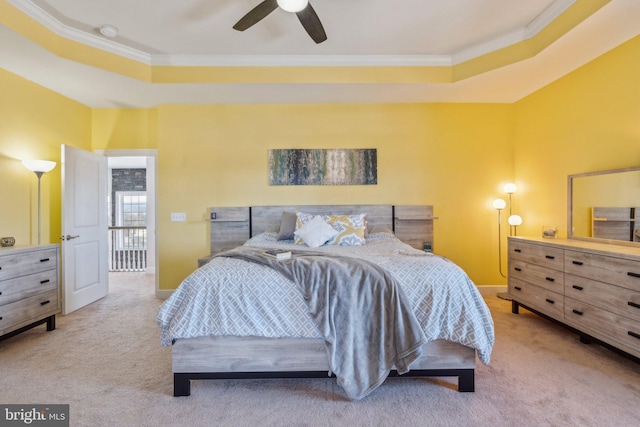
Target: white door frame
[{"x": 152, "y": 160}]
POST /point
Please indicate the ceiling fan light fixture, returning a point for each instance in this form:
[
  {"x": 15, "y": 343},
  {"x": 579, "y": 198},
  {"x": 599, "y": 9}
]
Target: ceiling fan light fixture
[{"x": 292, "y": 6}]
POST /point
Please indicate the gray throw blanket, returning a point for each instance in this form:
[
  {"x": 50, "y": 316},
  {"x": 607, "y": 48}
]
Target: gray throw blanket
[{"x": 366, "y": 320}]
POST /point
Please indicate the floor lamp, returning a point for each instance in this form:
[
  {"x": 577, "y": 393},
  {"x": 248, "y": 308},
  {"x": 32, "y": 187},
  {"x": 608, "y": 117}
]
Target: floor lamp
[
  {"x": 514, "y": 222},
  {"x": 40, "y": 167},
  {"x": 499, "y": 205}
]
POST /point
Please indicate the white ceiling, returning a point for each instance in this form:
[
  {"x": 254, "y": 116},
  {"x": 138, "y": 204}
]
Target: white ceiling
[
  {"x": 360, "y": 32},
  {"x": 354, "y": 27}
]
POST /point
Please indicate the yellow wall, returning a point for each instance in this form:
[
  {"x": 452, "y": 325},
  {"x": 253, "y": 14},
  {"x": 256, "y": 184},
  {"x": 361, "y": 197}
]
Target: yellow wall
[
  {"x": 587, "y": 121},
  {"x": 454, "y": 156},
  {"x": 124, "y": 129},
  {"x": 450, "y": 155},
  {"x": 34, "y": 122}
]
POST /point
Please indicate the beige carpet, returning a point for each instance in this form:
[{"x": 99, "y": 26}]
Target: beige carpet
[{"x": 107, "y": 363}]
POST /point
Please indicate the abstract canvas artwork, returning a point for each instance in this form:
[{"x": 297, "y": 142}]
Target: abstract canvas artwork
[{"x": 323, "y": 166}]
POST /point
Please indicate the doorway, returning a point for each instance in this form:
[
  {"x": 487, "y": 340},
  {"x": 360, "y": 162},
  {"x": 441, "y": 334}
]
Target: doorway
[{"x": 131, "y": 205}]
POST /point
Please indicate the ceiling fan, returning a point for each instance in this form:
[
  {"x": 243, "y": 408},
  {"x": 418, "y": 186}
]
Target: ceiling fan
[{"x": 306, "y": 14}]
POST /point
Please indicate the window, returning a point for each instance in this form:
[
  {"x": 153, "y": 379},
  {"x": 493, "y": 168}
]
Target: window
[{"x": 131, "y": 211}]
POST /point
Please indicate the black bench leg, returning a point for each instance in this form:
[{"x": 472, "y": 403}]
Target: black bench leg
[
  {"x": 466, "y": 380},
  {"x": 181, "y": 385}
]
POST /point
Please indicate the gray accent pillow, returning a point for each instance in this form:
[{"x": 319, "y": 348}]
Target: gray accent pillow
[{"x": 287, "y": 226}]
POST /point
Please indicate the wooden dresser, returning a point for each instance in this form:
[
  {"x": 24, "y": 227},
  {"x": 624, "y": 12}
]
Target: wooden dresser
[
  {"x": 29, "y": 288},
  {"x": 593, "y": 288}
]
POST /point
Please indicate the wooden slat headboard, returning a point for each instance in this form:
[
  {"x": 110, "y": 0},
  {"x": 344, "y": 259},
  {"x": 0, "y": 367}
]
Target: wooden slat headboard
[
  {"x": 233, "y": 226},
  {"x": 263, "y": 217}
]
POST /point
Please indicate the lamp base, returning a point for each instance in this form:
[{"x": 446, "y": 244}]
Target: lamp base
[{"x": 504, "y": 296}]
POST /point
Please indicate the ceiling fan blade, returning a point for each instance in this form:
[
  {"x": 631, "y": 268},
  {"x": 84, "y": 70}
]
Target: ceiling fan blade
[
  {"x": 310, "y": 21},
  {"x": 256, "y": 14}
]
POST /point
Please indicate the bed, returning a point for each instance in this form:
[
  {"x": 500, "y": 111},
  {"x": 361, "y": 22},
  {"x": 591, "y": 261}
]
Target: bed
[{"x": 204, "y": 319}]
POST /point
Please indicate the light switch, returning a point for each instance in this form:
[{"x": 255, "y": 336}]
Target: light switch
[{"x": 178, "y": 217}]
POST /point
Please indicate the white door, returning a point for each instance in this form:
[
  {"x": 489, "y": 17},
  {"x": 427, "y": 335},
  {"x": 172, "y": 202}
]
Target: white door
[{"x": 85, "y": 276}]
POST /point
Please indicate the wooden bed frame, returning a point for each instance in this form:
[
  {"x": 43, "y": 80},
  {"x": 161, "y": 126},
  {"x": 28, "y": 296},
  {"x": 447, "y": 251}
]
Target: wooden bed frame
[{"x": 255, "y": 357}]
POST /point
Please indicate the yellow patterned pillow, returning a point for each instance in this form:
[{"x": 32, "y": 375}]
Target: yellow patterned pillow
[{"x": 351, "y": 229}]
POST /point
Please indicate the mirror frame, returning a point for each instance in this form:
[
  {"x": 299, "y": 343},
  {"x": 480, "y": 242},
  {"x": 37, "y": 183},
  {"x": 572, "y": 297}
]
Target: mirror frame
[{"x": 570, "y": 234}]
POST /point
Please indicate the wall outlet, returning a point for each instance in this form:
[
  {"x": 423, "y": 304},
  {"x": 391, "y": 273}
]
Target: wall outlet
[{"x": 178, "y": 217}]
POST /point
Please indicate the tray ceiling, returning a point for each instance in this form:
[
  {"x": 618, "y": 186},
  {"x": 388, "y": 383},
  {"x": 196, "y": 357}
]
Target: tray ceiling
[{"x": 361, "y": 33}]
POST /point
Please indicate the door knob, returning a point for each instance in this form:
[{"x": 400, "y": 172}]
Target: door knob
[{"x": 69, "y": 237}]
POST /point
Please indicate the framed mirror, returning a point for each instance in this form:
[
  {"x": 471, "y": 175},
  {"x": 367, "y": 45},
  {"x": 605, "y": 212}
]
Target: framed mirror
[{"x": 605, "y": 206}]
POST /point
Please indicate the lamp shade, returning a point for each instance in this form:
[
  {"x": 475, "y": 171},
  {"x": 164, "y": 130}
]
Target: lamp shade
[
  {"x": 515, "y": 220},
  {"x": 499, "y": 204},
  {"x": 292, "y": 5},
  {"x": 510, "y": 188},
  {"x": 39, "y": 165}
]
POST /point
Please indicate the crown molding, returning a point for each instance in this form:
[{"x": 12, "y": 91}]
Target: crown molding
[
  {"x": 556, "y": 9},
  {"x": 540, "y": 22},
  {"x": 94, "y": 40},
  {"x": 112, "y": 46}
]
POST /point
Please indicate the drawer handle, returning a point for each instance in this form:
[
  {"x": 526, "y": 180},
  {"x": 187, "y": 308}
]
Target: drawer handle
[
  {"x": 577, "y": 262},
  {"x": 45, "y": 259},
  {"x": 634, "y": 274},
  {"x": 42, "y": 282},
  {"x": 550, "y": 279},
  {"x": 517, "y": 269},
  {"x": 45, "y": 302},
  {"x": 517, "y": 250},
  {"x": 550, "y": 301},
  {"x": 579, "y": 313},
  {"x": 550, "y": 257},
  {"x": 580, "y": 288},
  {"x": 633, "y": 304},
  {"x": 517, "y": 288},
  {"x": 633, "y": 334}
]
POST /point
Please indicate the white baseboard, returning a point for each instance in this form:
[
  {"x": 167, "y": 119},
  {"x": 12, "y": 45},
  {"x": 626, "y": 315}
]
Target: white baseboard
[
  {"x": 163, "y": 294},
  {"x": 490, "y": 290}
]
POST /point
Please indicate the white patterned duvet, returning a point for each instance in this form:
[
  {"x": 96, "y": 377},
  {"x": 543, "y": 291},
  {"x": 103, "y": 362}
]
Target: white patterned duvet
[{"x": 237, "y": 298}]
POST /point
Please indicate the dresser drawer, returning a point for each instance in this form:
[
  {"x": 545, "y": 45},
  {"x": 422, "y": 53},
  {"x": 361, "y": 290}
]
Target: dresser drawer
[
  {"x": 617, "y": 271},
  {"x": 623, "y": 301},
  {"x": 20, "y": 264},
  {"x": 28, "y": 310},
  {"x": 541, "y": 299},
  {"x": 22, "y": 287},
  {"x": 604, "y": 325},
  {"x": 544, "y": 256},
  {"x": 552, "y": 280}
]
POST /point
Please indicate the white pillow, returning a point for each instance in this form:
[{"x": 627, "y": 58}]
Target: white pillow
[{"x": 316, "y": 232}]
